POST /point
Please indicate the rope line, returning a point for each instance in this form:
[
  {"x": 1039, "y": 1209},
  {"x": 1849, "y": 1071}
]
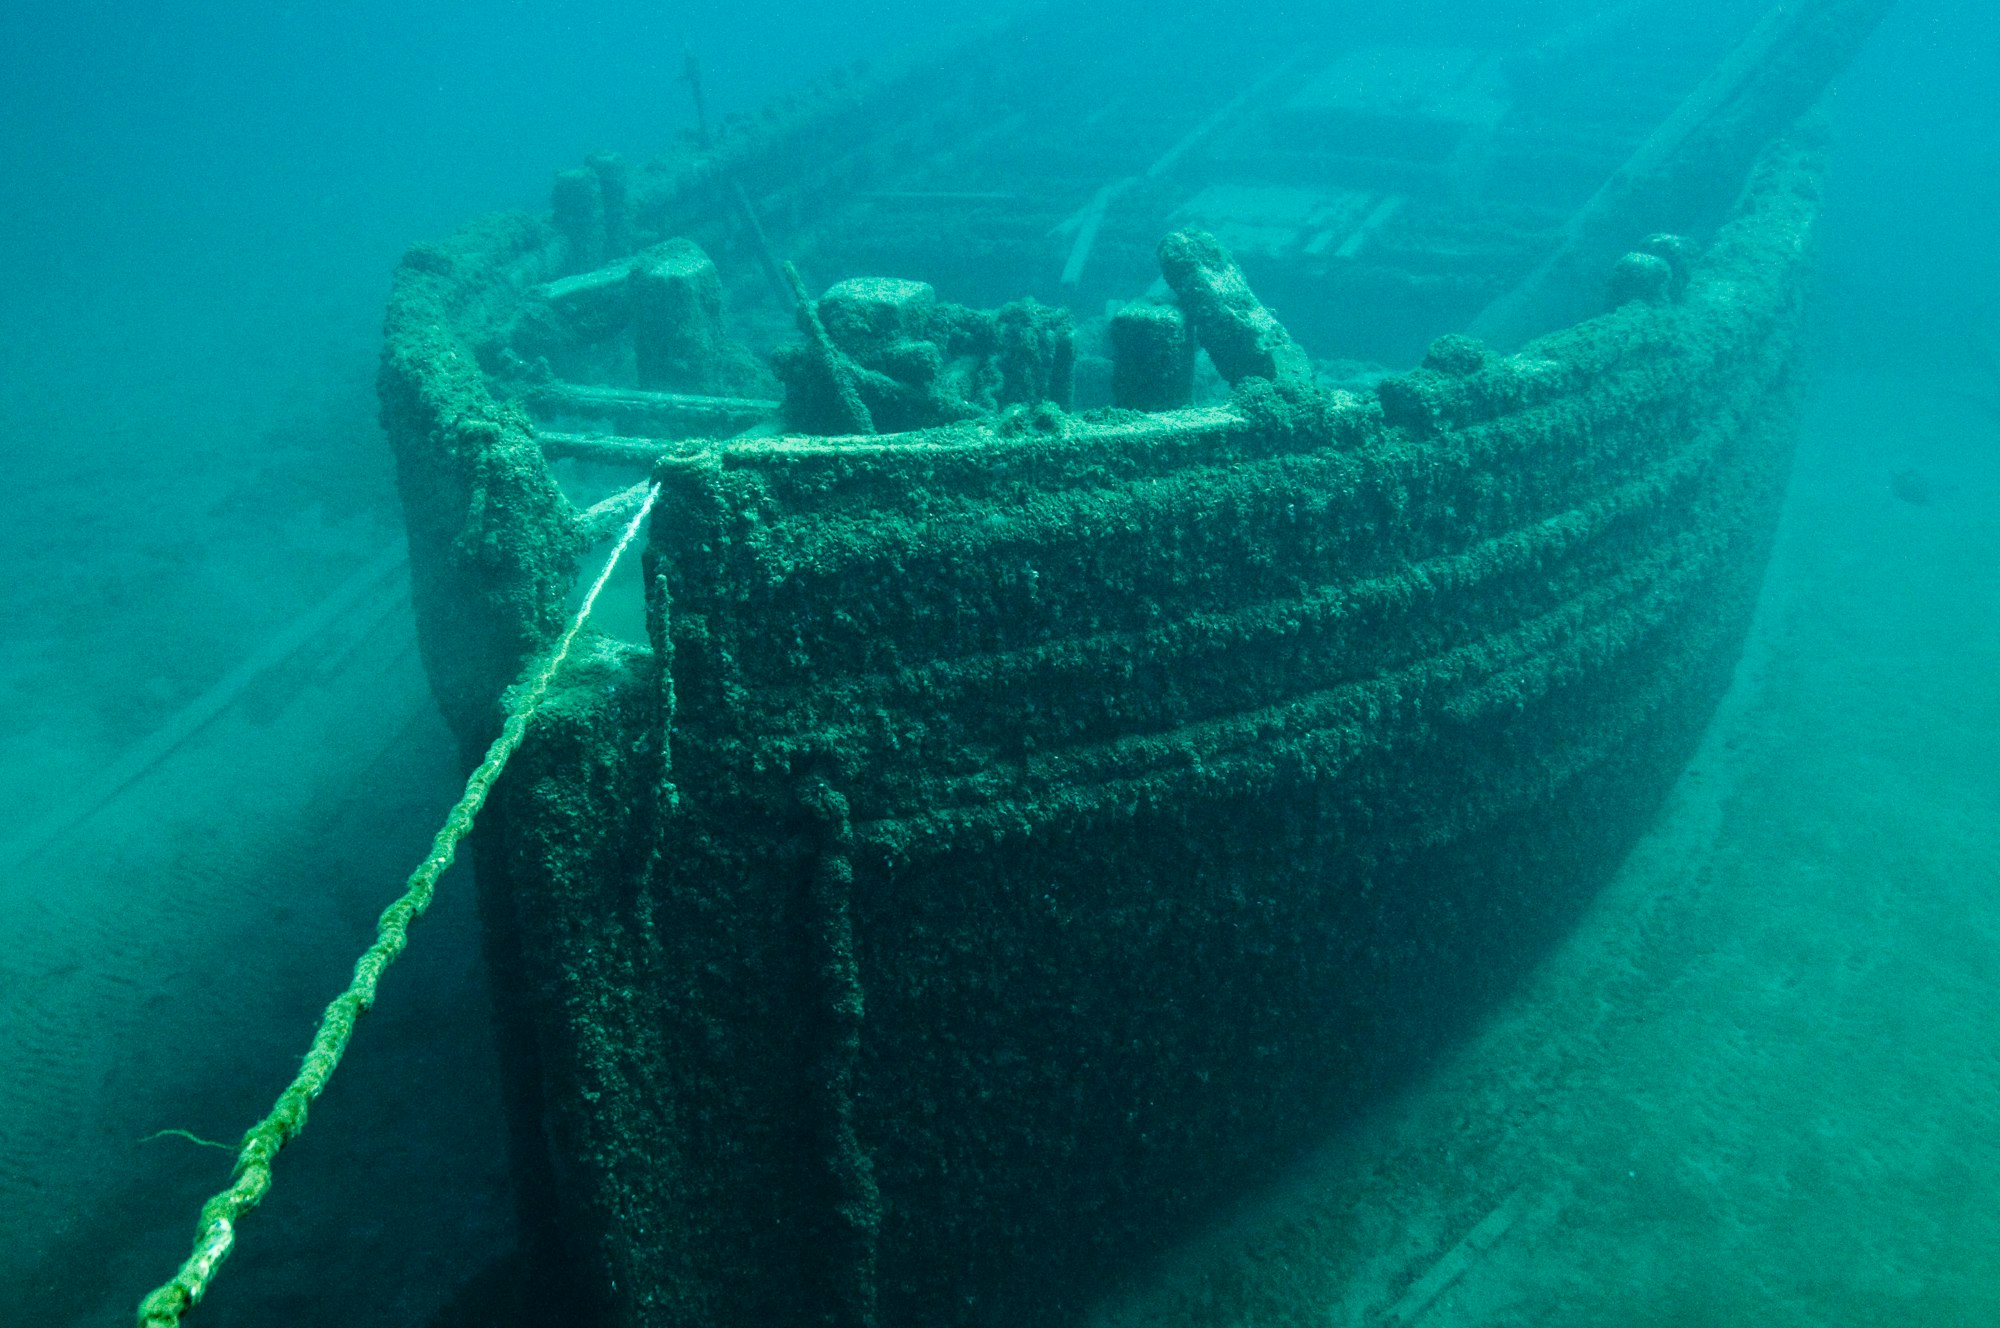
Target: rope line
[{"x": 251, "y": 1180}]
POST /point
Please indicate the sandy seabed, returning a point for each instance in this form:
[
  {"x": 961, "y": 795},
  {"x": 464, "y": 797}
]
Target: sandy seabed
[{"x": 200, "y": 827}]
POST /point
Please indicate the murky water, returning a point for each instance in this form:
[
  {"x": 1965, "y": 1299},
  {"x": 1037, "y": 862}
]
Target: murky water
[{"x": 1754, "y": 1085}]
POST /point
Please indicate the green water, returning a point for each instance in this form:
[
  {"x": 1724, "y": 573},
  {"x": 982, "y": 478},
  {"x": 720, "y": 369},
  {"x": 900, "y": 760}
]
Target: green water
[{"x": 1756, "y": 1085}]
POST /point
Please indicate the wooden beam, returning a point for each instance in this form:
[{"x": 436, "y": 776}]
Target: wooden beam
[
  {"x": 1085, "y": 222},
  {"x": 669, "y": 413},
  {"x": 1771, "y": 77},
  {"x": 612, "y": 450}
]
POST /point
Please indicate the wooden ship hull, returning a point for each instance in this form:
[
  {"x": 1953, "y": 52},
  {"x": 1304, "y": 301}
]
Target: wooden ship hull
[{"x": 1016, "y": 826}]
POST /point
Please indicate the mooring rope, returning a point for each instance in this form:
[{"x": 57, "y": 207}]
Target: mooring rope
[{"x": 250, "y": 1181}]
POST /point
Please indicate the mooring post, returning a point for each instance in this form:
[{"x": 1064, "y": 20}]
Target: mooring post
[{"x": 1242, "y": 337}]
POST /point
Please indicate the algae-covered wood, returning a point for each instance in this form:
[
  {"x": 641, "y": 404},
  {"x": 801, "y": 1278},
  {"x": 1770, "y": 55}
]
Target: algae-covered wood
[
  {"x": 1020, "y": 835},
  {"x": 1008, "y": 840}
]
